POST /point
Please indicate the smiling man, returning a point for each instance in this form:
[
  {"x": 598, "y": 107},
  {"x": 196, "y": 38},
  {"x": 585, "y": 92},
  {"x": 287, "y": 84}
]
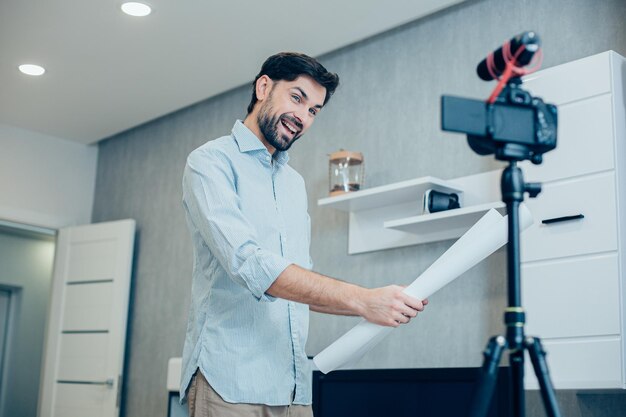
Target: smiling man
[{"x": 252, "y": 284}]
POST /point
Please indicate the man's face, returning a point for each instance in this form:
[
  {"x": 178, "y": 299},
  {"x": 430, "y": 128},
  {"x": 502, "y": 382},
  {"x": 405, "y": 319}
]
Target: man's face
[{"x": 289, "y": 110}]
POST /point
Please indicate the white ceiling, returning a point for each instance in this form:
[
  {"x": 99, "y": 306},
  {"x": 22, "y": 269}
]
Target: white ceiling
[{"x": 107, "y": 72}]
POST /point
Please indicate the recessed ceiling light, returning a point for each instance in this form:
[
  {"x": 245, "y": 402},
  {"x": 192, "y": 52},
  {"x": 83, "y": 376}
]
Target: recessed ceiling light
[
  {"x": 31, "y": 69},
  {"x": 136, "y": 9}
]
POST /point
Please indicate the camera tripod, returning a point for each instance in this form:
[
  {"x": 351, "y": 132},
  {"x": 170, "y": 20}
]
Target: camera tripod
[{"x": 513, "y": 190}]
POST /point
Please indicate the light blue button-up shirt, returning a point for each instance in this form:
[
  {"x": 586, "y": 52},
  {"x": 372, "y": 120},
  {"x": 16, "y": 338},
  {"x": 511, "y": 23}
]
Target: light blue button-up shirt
[{"x": 247, "y": 215}]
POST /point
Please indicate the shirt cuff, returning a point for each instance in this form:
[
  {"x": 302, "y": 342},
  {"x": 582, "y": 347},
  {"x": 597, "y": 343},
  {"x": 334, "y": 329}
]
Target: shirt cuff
[{"x": 261, "y": 270}]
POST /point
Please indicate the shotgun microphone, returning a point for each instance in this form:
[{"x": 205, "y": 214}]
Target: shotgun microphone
[{"x": 493, "y": 66}]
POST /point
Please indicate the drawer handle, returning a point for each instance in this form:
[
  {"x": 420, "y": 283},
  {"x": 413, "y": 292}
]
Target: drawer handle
[{"x": 563, "y": 219}]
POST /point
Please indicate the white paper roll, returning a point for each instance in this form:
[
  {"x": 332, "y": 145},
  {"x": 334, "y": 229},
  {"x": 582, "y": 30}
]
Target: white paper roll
[{"x": 485, "y": 237}]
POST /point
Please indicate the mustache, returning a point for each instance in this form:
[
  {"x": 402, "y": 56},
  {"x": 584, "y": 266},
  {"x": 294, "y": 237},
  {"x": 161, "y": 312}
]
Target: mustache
[{"x": 292, "y": 120}]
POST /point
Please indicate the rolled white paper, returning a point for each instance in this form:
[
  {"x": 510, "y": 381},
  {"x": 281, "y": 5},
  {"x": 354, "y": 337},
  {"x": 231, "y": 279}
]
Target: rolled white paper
[{"x": 485, "y": 237}]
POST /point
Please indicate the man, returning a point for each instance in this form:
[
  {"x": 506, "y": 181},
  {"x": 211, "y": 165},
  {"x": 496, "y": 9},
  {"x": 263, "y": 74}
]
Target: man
[{"x": 252, "y": 285}]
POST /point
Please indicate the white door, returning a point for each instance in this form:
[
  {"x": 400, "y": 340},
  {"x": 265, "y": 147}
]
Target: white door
[{"x": 86, "y": 333}]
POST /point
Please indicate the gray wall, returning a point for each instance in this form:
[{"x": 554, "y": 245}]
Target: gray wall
[
  {"x": 26, "y": 270},
  {"x": 386, "y": 107}
]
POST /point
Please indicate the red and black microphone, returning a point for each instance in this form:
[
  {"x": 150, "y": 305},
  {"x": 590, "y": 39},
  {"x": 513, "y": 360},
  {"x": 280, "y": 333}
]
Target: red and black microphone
[{"x": 520, "y": 49}]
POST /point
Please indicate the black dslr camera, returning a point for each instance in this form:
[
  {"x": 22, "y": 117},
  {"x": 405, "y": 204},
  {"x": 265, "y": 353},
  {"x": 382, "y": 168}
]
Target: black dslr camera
[{"x": 516, "y": 126}]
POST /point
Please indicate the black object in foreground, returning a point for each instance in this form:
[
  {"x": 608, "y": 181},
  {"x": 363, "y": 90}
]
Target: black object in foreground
[{"x": 436, "y": 392}]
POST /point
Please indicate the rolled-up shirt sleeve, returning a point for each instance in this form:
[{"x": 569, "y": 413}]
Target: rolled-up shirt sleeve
[{"x": 213, "y": 206}]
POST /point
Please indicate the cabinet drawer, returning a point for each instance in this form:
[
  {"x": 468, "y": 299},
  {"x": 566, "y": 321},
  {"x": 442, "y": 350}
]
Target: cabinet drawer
[
  {"x": 561, "y": 297},
  {"x": 584, "y": 78},
  {"x": 594, "y": 198},
  {"x": 584, "y": 143},
  {"x": 582, "y": 363}
]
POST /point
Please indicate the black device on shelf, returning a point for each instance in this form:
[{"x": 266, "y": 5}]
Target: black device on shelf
[
  {"x": 514, "y": 126},
  {"x": 436, "y": 201}
]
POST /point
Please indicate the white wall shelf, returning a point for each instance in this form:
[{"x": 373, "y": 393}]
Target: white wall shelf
[
  {"x": 451, "y": 222},
  {"x": 391, "y": 216},
  {"x": 410, "y": 191}
]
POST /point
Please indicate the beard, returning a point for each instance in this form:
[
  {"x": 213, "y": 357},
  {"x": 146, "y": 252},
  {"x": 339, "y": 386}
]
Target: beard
[{"x": 269, "y": 128}]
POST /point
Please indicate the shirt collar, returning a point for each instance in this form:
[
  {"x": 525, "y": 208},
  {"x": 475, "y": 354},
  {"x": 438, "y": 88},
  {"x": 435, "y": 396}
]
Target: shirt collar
[{"x": 248, "y": 142}]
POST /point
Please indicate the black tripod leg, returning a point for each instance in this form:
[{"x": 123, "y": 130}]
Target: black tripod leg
[
  {"x": 488, "y": 375},
  {"x": 518, "y": 400},
  {"x": 538, "y": 358}
]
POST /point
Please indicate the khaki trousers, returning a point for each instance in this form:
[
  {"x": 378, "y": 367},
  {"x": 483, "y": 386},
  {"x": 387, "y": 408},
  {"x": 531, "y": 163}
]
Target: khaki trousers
[{"x": 203, "y": 401}]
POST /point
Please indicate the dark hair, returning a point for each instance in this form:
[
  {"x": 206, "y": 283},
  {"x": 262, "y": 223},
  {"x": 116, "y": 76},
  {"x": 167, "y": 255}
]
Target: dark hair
[{"x": 290, "y": 65}]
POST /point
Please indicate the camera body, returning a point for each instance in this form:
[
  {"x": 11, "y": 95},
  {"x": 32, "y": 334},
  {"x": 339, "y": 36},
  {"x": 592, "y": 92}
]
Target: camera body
[{"x": 516, "y": 127}]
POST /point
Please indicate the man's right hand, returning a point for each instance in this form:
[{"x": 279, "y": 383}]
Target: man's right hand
[
  {"x": 389, "y": 306},
  {"x": 385, "y": 306}
]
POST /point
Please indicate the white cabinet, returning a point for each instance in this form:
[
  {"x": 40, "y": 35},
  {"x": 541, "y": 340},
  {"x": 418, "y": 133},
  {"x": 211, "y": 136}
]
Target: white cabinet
[{"x": 573, "y": 279}]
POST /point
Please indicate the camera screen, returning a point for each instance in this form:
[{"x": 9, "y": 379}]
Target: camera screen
[{"x": 514, "y": 123}]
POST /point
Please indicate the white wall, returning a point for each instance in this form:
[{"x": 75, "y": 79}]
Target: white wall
[{"x": 44, "y": 180}]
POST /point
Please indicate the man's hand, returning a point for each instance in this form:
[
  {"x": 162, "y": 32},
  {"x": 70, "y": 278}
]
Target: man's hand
[
  {"x": 389, "y": 306},
  {"x": 386, "y": 306}
]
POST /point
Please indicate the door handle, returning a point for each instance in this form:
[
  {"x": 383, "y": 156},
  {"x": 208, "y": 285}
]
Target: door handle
[{"x": 109, "y": 382}]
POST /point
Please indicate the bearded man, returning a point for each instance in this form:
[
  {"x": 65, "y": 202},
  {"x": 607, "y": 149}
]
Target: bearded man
[{"x": 252, "y": 286}]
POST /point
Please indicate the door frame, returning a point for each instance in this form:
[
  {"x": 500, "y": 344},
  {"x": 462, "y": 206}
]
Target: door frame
[
  {"x": 15, "y": 299},
  {"x": 16, "y": 294}
]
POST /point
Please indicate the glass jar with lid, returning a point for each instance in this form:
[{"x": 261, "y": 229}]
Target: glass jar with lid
[{"x": 345, "y": 172}]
